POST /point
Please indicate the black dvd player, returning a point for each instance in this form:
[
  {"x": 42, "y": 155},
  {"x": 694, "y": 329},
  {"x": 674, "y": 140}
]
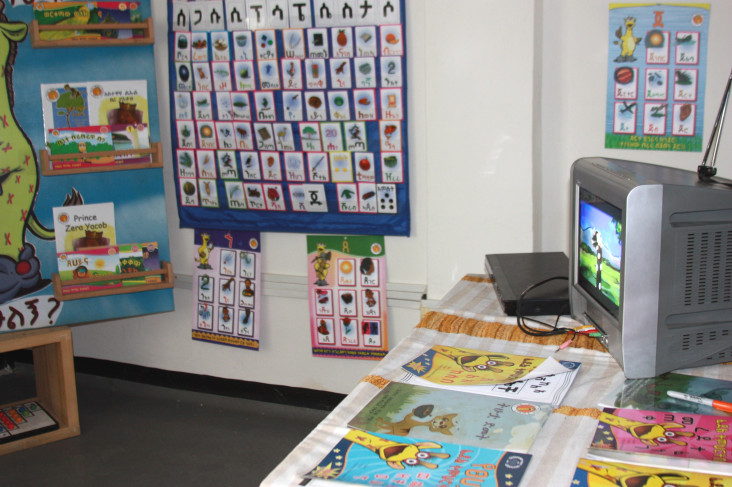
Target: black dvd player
[{"x": 512, "y": 274}]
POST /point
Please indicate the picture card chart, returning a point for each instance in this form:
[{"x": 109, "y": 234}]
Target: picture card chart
[
  {"x": 226, "y": 286},
  {"x": 656, "y": 76},
  {"x": 290, "y": 115},
  {"x": 347, "y": 296}
]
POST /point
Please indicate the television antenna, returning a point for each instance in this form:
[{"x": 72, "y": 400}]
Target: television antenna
[{"x": 707, "y": 172}]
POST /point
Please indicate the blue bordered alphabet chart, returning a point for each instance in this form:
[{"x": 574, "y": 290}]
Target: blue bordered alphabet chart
[{"x": 290, "y": 115}]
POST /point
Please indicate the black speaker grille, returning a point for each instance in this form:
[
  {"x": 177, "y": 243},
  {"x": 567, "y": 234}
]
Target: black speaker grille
[
  {"x": 708, "y": 269},
  {"x": 690, "y": 341}
]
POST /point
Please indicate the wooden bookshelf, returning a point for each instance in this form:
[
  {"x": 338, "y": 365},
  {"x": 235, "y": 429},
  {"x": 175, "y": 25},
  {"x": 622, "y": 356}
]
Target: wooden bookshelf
[
  {"x": 165, "y": 272},
  {"x": 155, "y": 151},
  {"x": 146, "y": 27},
  {"x": 53, "y": 361}
]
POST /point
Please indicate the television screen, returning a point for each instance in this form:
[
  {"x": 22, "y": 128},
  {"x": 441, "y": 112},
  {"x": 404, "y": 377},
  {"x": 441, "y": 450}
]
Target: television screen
[{"x": 600, "y": 248}]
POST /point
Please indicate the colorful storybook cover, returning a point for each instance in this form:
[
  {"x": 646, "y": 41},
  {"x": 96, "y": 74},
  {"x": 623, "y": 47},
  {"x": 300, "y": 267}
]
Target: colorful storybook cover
[
  {"x": 382, "y": 460},
  {"x": 596, "y": 473},
  {"x": 677, "y": 435},
  {"x": 458, "y": 417},
  {"x": 80, "y": 140},
  {"x": 548, "y": 389},
  {"x": 86, "y": 13},
  {"x": 81, "y": 226},
  {"x": 98, "y": 116},
  {"x": 131, "y": 261},
  {"x": 653, "y": 394},
  {"x": 87, "y": 263},
  {"x": 445, "y": 366}
]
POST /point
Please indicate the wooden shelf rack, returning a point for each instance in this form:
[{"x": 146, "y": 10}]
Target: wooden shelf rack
[
  {"x": 165, "y": 271},
  {"x": 155, "y": 150},
  {"x": 146, "y": 27},
  {"x": 53, "y": 361}
]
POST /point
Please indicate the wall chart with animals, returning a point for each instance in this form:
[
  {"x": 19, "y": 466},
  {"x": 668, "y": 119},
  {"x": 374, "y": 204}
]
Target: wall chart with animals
[
  {"x": 656, "y": 76},
  {"x": 347, "y": 296},
  {"x": 226, "y": 276},
  {"x": 28, "y": 194},
  {"x": 290, "y": 115}
]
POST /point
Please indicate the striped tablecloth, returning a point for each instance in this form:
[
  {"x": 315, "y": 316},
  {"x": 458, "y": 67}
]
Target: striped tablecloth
[{"x": 469, "y": 316}]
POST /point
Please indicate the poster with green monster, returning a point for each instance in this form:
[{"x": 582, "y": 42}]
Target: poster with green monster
[{"x": 27, "y": 248}]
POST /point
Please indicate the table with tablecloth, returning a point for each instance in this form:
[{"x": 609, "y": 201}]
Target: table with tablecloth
[{"x": 470, "y": 316}]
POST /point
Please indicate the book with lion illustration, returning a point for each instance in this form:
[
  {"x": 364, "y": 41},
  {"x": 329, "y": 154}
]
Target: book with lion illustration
[
  {"x": 456, "y": 417},
  {"x": 368, "y": 459}
]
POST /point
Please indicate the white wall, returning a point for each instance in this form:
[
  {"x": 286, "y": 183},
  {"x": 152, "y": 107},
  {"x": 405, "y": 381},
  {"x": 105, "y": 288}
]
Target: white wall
[
  {"x": 574, "y": 68},
  {"x": 502, "y": 96}
]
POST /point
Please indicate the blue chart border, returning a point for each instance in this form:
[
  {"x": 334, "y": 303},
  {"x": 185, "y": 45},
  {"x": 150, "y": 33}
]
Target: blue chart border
[{"x": 332, "y": 221}]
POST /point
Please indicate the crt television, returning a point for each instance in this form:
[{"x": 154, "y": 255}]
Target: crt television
[{"x": 651, "y": 263}]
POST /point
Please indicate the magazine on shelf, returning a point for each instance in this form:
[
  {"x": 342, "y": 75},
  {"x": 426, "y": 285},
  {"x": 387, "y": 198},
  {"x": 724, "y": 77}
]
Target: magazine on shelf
[
  {"x": 365, "y": 458},
  {"x": 456, "y": 417},
  {"x": 597, "y": 473},
  {"x": 652, "y": 394},
  {"x": 687, "y": 441}
]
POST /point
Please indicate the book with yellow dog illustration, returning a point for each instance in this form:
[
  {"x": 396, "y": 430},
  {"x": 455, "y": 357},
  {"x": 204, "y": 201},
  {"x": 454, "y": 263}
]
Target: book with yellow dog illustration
[
  {"x": 458, "y": 417},
  {"x": 364, "y": 458}
]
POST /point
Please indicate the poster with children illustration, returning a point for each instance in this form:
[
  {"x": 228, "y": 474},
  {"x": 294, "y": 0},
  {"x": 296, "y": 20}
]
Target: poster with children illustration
[
  {"x": 347, "y": 296},
  {"x": 656, "y": 76},
  {"x": 226, "y": 278}
]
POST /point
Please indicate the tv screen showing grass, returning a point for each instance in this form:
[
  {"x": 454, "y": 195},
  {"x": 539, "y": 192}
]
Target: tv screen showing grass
[{"x": 600, "y": 250}]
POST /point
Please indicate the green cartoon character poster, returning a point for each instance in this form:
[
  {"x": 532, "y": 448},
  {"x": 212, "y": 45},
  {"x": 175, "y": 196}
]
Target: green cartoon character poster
[{"x": 29, "y": 194}]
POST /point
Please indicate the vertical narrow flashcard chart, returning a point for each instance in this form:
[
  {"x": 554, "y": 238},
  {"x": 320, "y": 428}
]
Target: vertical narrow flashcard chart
[
  {"x": 656, "y": 76},
  {"x": 347, "y": 296},
  {"x": 290, "y": 115},
  {"x": 226, "y": 285}
]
